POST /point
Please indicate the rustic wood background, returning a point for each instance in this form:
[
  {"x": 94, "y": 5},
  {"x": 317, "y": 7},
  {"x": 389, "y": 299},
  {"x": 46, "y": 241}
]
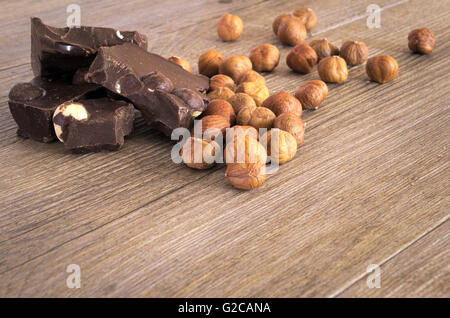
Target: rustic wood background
[{"x": 369, "y": 186}]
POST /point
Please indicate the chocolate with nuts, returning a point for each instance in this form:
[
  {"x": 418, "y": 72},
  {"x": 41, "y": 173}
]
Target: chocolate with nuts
[
  {"x": 93, "y": 125},
  {"x": 62, "y": 51},
  {"x": 32, "y": 105},
  {"x": 126, "y": 70}
]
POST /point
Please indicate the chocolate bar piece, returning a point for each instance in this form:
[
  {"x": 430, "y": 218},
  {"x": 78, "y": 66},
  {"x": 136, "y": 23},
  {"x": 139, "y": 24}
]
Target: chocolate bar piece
[
  {"x": 61, "y": 51},
  {"x": 32, "y": 105},
  {"x": 94, "y": 124},
  {"x": 168, "y": 96}
]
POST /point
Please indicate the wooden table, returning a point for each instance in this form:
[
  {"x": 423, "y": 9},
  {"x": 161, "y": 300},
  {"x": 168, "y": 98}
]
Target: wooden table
[{"x": 370, "y": 185}]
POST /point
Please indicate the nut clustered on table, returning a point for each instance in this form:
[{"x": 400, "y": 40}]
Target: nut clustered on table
[
  {"x": 88, "y": 102},
  {"x": 239, "y": 93}
]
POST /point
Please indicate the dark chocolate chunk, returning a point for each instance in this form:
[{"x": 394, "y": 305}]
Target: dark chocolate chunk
[
  {"x": 80, "y": 76},
  {"x": 94, "y": 124},
  {"x": 32, "y": 105},
  {"x": 61, "y": 51},
  {"x": 130, "y": 71}
]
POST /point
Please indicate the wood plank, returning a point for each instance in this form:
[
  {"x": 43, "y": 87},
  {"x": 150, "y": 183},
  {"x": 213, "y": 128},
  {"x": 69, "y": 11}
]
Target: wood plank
[
  {"x": 72, "y": 194},
  {"x": 368, "y": 182},
  {"x": 421, "y": 270}
]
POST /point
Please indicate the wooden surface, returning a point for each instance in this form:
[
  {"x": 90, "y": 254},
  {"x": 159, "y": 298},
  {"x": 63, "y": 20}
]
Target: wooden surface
[{"x": 370, "y": 185}]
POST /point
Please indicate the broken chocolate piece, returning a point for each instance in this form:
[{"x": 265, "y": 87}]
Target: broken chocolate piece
[
  {"x": 32, "y": 105},
  {"x": 61, "y": 51},
  {"x": 93, "y": 125},
  {"x": 147, "y": 80}
]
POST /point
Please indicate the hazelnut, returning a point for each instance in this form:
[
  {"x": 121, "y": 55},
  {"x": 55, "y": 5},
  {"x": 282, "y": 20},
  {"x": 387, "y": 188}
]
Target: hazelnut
[
  {"x": 324, "y": 48},
  {"x": 69, "y": 110},
  {"x": 157, "y": 80},
  {"x": 265, "y": 57},
  {"x": 354, "y": 52},
  {"x": 277, "y": 21},
  {"x": 182, "y": 62},
  {"x": 259, "y": 117},
  {"x": 191, "y": 98},
  {"x": 255, "y": 90},
  {"x": 302, "y": 59},
  {"x": 246, "y": 176},
  {"x": 252, "y": 76},
  {"x": 333, "y": 69},
  {"x": 307, "y": 16},
  {"x": 241, "y": 100},
  {"x": 283, "y": 102},
  {"x": 382, "y": 68},
  {"x": 291, "y": 31},
  {"x": 245, "y": 149},
  {"x": 214, "y": 124},
  {"x": 220, "y": 93},
  {"x": 421, "y": 41},
  {"x": 209, "y": 62},
  {"x": 286, "y": 148},
  {"x": 235, "y": 67},
  {"x": 312, "y": 94},
  {"x": 239, "y": 131},
  {"x": 221, "y": 80},
  {"x": 199, "y": 153},
  {"x": 292, "y": 124},
  {"x": 230, "y": 27},
  {"x": 222, "y": 108}
]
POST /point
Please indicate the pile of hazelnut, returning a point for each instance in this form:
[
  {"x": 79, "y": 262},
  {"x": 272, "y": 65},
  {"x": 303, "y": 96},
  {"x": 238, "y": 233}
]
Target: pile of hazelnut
[{"x": 241, "y": 106}]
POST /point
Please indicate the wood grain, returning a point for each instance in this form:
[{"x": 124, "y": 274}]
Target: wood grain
[{"x": 370, "y": 185}]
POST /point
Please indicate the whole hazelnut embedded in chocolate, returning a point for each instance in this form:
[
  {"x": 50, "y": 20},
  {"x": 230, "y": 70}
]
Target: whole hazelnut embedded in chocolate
[
  {"x": 265, "y": 57},
  {"x": 235, "y": 67},
  {"x": 182, "y": 62},
  {"x": 230, "y": 27},
  {"x": 283, "y": 102},
  {"x": 209, "y": 62},
  {"x": 157, "y": 80},
  {"x": 302, "y": 59},
  {"x": 191, "y": 98},
  {"x": 67, "y": 111}
]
